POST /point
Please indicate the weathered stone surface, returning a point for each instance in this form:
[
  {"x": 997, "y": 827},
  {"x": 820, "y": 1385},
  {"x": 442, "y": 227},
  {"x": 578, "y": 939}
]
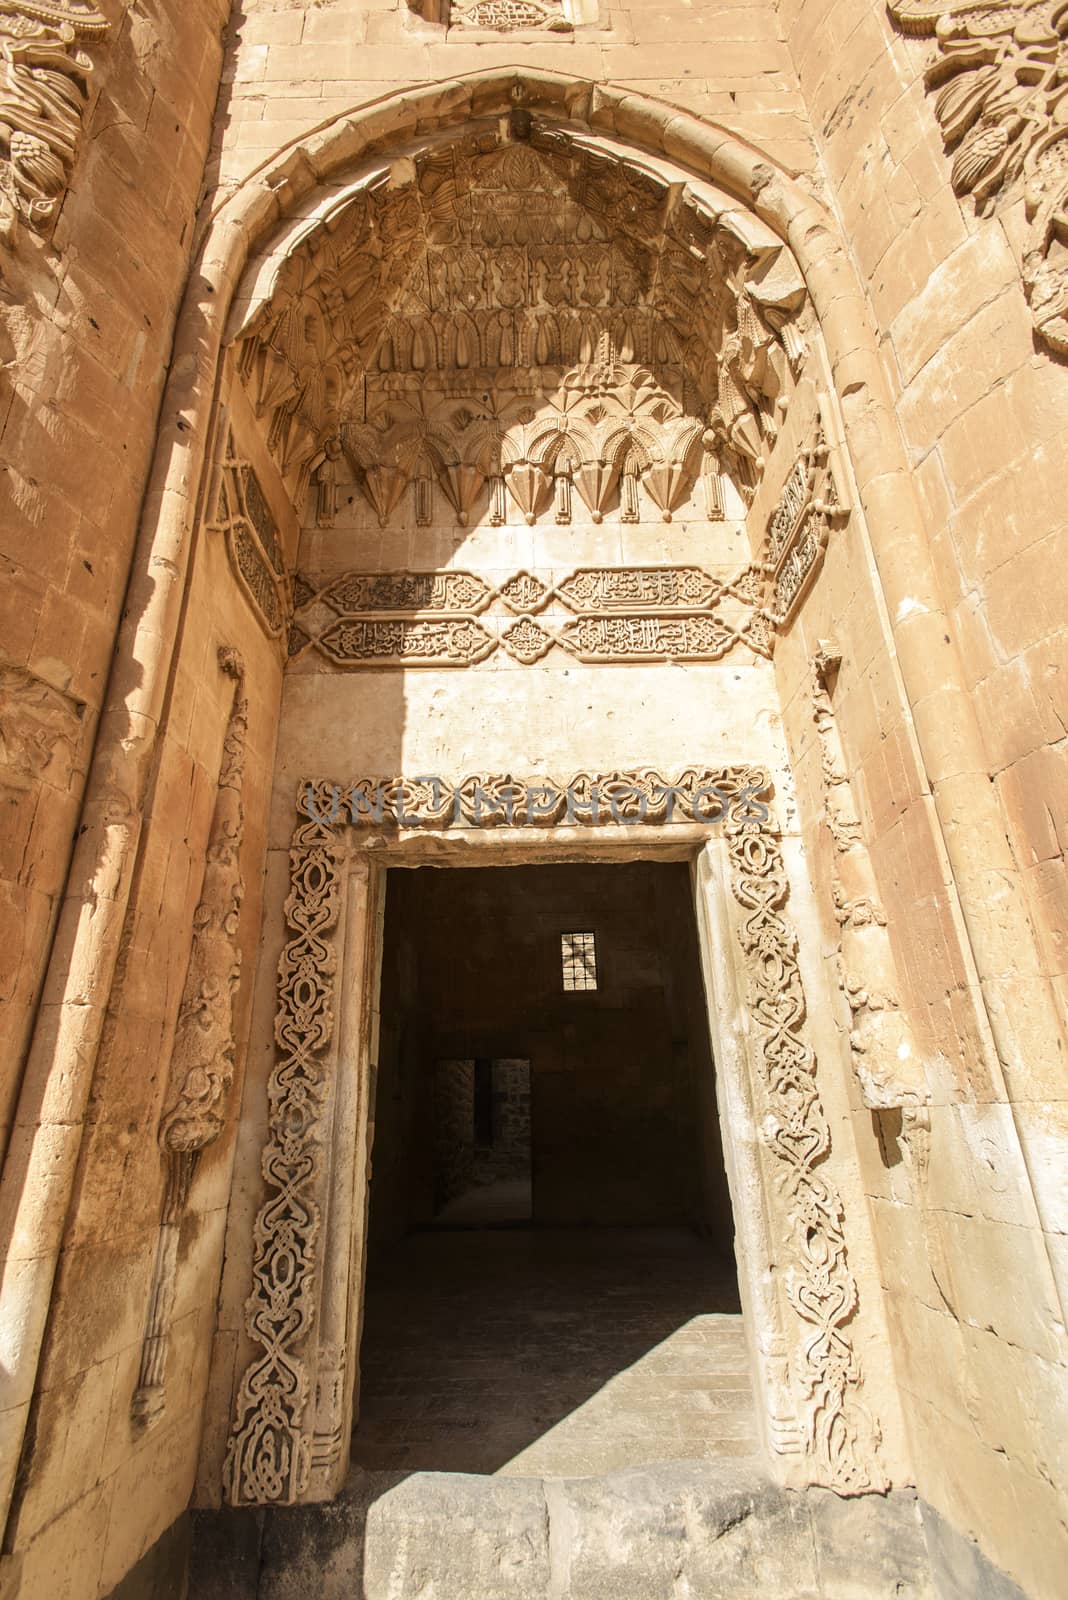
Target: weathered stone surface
[
  {"x": 436, "y": 374},
  {"x": 724, "y": 1532}
]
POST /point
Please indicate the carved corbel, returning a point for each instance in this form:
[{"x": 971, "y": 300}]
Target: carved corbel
[
  {"x": 202, "y": 1056},
  {"x": 666, "y": 484},
  {"x": 595, "y": 481},
  {"x": 462, "y": 486},
  {"x": 383, "y": 486}
]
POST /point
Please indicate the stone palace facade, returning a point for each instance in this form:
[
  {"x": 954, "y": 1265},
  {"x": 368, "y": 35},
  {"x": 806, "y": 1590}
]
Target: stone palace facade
[{"x": 552, "y": 440}]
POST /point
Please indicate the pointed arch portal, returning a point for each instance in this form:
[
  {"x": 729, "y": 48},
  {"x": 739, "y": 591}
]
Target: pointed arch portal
[{"x": 650, "y": 297}]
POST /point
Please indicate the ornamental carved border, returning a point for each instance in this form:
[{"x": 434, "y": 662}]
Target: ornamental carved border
[
  {"x": 44, "y": 93},
  {"x": 998, "y": 77},
  {"x": 268, "y": 1460},
  {"x": 609, "y": 614},
  {"x": 836, "y": 1430},
  {"x": 272, "y": 1442},
  {"x": 812, "y": 501}
]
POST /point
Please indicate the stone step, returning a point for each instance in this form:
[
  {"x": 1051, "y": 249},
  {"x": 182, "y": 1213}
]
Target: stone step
[{"x": 681, "y": 1531}]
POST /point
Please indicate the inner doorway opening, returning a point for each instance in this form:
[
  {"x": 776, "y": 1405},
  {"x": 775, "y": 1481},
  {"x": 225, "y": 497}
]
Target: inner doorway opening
[
  {"x": 482, "y": 1143},
  {"x": 551, "y": 1285}
]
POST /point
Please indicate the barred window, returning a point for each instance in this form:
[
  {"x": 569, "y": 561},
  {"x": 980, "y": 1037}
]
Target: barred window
[{"x": 578, "y": 953}]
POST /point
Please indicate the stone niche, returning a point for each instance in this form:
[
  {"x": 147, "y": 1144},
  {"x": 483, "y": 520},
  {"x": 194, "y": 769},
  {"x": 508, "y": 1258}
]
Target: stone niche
[{"x": 522, "y": 389}]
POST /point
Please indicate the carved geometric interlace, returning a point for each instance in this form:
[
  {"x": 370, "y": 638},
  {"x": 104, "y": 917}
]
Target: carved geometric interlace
[
  {"x": 999, "y": 79},
  {"x": 269, "y": 1456},
  {"x": 456, "y": 619},
  {"x": 253, "y": 544},
  {"x": 839, "y": 1432}
]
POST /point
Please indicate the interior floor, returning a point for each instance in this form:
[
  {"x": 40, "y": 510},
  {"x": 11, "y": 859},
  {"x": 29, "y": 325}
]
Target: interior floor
[
  {"x": 505, "y": 1202},
  {"x": 552, "y": 1353}
]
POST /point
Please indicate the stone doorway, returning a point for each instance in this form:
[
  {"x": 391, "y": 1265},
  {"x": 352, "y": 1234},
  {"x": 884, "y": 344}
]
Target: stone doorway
[
  {"x": 482, "y": 1143},
  {"x": 552, "y": 1014}
]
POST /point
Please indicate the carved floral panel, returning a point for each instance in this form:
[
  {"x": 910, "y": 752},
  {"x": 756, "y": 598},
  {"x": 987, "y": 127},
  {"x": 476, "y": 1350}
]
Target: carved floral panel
[
  {"x": 999, "y": 78},
  {"x": 45, "y": 73}
]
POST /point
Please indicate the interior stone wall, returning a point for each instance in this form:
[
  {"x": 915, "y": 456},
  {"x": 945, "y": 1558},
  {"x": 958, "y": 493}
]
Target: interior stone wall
[
  {"x": 509, "y": 1154},
  {"x": 454, "y": 1132},
  {"x": 618, "y": 1134}
]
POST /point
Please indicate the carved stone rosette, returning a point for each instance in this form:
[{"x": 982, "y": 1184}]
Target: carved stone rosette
[
  {"x": 999, "y": 80},
  {"x": 44, "y": 79},
  {"x": 202, "y": 1058},
  {"x": 273, "y": 1441}
]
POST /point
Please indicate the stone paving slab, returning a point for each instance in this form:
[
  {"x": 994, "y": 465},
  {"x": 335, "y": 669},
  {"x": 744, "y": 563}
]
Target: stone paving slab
[{"x": 553, "y": 1354}]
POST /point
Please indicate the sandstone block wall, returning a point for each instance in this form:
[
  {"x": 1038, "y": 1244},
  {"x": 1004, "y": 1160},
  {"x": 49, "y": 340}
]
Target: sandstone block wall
[
  {"x": 87, "y": 318},
  {"x": 87, "y": 314},
  {"x": 291, "y": 70},
  {"x": 968, "y": 1219},
  {"x": 975, "y": 1269}
]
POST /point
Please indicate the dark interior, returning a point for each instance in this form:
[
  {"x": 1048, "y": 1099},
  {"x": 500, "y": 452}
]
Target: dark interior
[{"x": 491, "y": 1072}]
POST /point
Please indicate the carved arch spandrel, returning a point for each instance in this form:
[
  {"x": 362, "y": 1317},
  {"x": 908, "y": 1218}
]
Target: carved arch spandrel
[{"x": 278, "y": 1429}]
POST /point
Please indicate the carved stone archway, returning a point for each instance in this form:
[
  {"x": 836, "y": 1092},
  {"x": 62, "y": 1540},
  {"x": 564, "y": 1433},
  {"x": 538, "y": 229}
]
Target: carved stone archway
[
  {"x": 522, "y": 310},
  {"x": 293, "y": 188},
  {"x": 401, "y": 323}
]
